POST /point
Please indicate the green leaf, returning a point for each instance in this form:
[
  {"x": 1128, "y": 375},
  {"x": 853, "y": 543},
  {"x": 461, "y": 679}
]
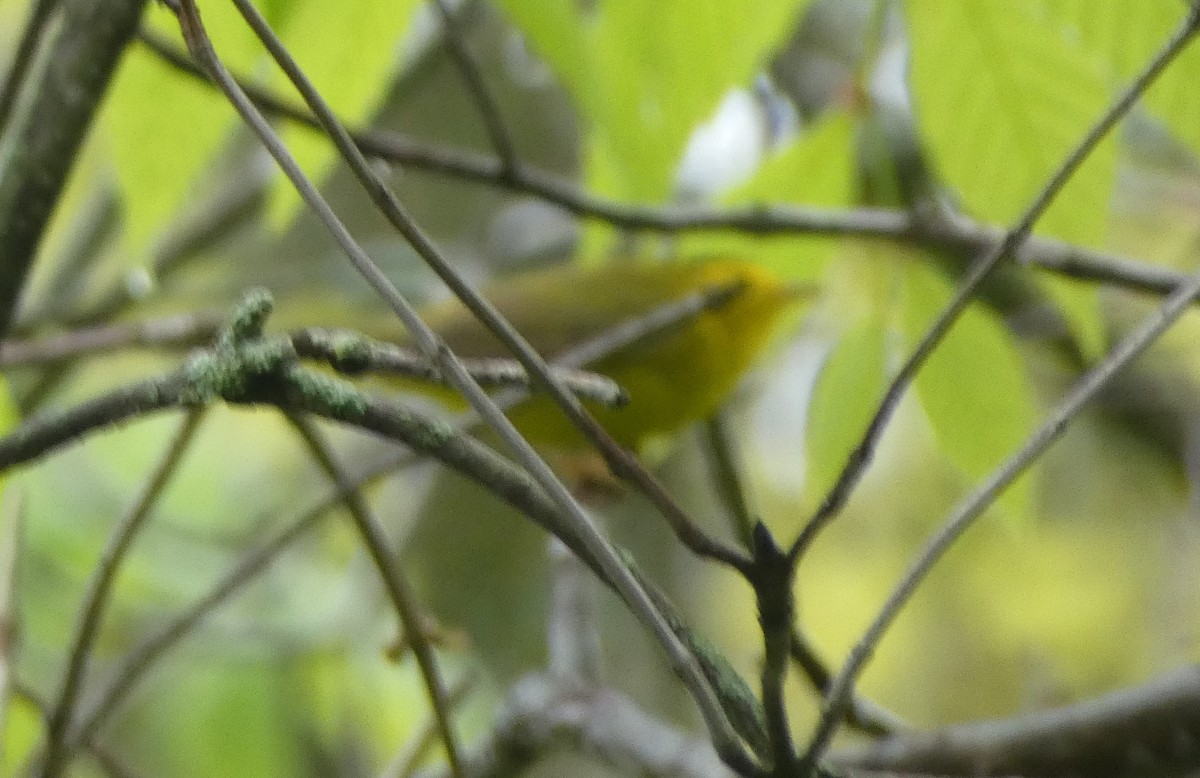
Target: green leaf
[
  {"x": 1123, "y": 36},
  {"x": 348, "y": 50},
  {"x": 645, "y": 75},
  {"x": 163, "y": 128},
  {"x": 847, "y": 392},
  {"x": 23, "y": 730},
  {"x": 973, "y": 388},
  {"x": 814, "y": 169},
  {"x": 1002, "y": 97}
]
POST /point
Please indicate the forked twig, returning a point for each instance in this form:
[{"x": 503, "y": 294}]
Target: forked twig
[
  {"x": 1083, "y": 391},
  {"x": 395, "y": 583},
  {"x": 682, "y": 660},
  {"x": 141, "y": 658},
  {"x": 979, "y": 271},
  {"x": 621, "y": 461},
  {"x": 99, "y": 590}
]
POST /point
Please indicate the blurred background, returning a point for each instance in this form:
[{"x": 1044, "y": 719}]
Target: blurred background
[{"x": 1082, "y": 579}]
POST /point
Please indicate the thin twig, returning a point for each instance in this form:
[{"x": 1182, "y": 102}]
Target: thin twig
[
  {"x": 187, "y": 329},
  {"x": 404, "y": 601},
  {"x": 138, "y": 661},
  {"x": 99, "y": 590},
  {"x": 620, "y": 461},
  {"x": 862, "y": 714},
  {"x": 477, "y": 88},
  {"x": 953, "y": 232},
  {"x": 979, "y": 271},
  {"x": 107, "y": 760},
  {"x": 1086, "y": 388},
  {"x": 405, "y": 763},
  {"x": 582, "y": 528},
  {"x": 353, "y": 354},
  {"x": 727, "y": 479},
  {"x": 141, "y": 658}
]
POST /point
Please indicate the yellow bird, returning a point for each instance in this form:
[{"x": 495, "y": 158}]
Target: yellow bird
[{"x": 673, "y": 377}]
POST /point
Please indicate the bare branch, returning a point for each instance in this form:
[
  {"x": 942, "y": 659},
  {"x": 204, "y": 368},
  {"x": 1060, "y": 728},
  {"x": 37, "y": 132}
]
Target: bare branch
[
  {"x": 399, "y": 591},
  {"x": 472, "y": 77},
  {"x": 188, "y": 329},
  {"x": 353, "y": 354},
  {"x": 979, "y": 271},
  {"x": 1083, "y": 391},
  {"x": 950, "y": 231},
  {"x": 99, "y": 590},
  {"x": 1149, "y": 729},
  {"x": 582, "y": 528}
]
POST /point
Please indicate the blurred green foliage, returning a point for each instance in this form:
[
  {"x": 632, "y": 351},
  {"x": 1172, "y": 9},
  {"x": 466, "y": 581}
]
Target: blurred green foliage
[{"x": 1086, "y": 582}]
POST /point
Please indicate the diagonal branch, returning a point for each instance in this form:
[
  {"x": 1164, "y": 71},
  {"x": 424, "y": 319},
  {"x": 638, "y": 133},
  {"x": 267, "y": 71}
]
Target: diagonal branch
[
  {"x": 953, "y": 232},
  {"x": 34, "y": 161},
  {"x": 399, "y": 591},
  {"x": 582, "y": 528},
  {"x": 620, "y": 461},
  {"x": 980, "y": 270},
  {"x": 99, "y": 589},
  {"x": 472, "y": 77},
  {"x": 140, "y": 659},
  {"x": 1084, "y": 390}
]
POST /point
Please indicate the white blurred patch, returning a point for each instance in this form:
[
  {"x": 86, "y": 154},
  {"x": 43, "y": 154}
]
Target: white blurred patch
[
  {"x": 726, "y": 150},
  {"x": 779, "y": 418}
]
